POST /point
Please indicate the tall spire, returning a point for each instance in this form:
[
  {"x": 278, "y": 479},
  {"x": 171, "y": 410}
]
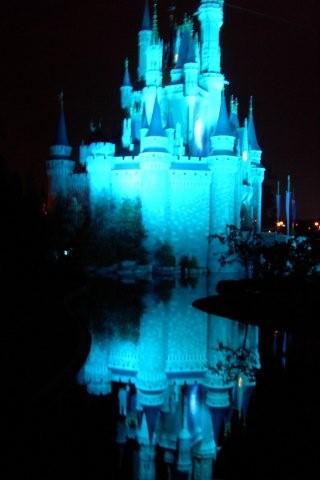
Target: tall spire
[
  {"x": 146, "y": 21},
  {"x": 223, "y": 124},
  {"x": 61, "y": 134},
  {"x": 252, "y": 136},
  {"x": 155, "y": 128},
  {"x": 234, "y": 119},
  {"x": 144, "y": 120},
  {"x": 155, "y": 30},
  {"x": 126, "y": 77}
]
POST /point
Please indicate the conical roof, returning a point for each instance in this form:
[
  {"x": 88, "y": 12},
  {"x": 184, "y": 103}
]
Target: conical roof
[
  {"x": 155, "y": 128},
  {"x": 126, "y": 77},
  {"x": 223, "y": 126},
  {"x": 234, "y": 119},
  {"x": 144, "y": 120},
  {"x": 252, "y": 136},
  {"x": 146, "y": 20},
  {"x": 61, "y": 137}
]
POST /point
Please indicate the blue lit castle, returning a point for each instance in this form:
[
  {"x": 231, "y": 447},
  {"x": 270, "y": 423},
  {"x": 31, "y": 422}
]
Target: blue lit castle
[{"x": 183, "y": 155}]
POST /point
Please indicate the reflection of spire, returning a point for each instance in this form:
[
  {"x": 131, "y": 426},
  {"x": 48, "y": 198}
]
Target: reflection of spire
[{"x": 151, "y": 418}]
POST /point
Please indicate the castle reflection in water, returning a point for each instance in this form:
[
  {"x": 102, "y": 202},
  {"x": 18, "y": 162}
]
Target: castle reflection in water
[{"x": 179, "y": 375}]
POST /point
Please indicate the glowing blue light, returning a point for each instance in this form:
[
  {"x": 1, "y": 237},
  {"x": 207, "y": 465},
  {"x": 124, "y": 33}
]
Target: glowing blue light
[{"x": 198, "y": 132}]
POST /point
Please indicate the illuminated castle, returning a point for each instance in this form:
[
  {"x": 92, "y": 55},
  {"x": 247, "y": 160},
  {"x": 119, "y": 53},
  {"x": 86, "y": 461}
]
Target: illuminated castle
[{"x": 187, "y": 159}]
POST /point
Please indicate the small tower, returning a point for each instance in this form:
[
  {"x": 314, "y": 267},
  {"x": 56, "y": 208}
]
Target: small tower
[
  {"x": 156, "y": 139},
  {"x": 126, "y": 87},
  {"x": 211, "y": 18},
  {"x": 224, "y": 165},
  {"x": 257, "y": 171},
  {"x": 255, "y": 150},
  {"x": 154, "y": 55},
  {"x": 223, "y": 138},
  {"x": 60, "y": 166},
  {"x": 144, "y": 36}
]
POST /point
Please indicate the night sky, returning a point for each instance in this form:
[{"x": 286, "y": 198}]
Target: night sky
[{"x": 269, "y": 49}]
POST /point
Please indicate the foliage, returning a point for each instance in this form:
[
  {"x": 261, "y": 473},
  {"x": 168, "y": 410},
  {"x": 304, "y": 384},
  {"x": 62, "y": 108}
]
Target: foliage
[
  {"x": 109, "y": 234},
  {"x": 164, "y": 255},
  {"x": 296, "y": 256},
  {"x": 242, "y": 245},
  {"x": 230, "y": 363},
  {"x": 188, "y": 262}
]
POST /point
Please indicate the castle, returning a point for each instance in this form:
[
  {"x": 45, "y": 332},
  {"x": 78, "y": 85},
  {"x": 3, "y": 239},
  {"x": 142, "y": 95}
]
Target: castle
[{"x": 183, "y": 155}]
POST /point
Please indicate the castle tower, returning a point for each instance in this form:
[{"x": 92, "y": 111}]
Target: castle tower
[
  {"x": 257, "y": 170},
  {"x": 210, "y": 16},
  {"x": 154, "y": 54},
  {"x": 223, "y": 164},
  {"x": 60, "y": 166},
  {"x": 144, "y": 38},
  {"x": 126, "y": 87}
]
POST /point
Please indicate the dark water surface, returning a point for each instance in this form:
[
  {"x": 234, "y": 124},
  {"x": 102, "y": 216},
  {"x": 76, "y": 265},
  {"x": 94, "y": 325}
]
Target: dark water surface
[{"x": 202, "y": 393}]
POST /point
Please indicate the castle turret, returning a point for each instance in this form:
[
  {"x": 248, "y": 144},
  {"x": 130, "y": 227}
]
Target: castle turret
[
  {"x": 156, "y": 139},
  {"x": 223, "y": 138},
  {"x": 257, "y": 171},
  {"x": 234, "y": 118},
  {"x": 211, "y": 18},
  {"x": 145, "y": 37},
  {"x": 255, "y": 150},
  {"x": 126, "y": 87},
  {"x": 60, "y": 166},
  {"x": 224, "y": 166},
  {"x": 154, "y": 55}
]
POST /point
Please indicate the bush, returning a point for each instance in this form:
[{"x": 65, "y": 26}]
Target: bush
[{"x": 164, "y": 255}]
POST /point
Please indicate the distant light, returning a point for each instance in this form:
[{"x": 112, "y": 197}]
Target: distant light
[
  {"x": 175, "y": 58},
  {"x": 316, "y": 224},
  {"x": 280, "y": 224},
  {"x": 240, "y": 382},
  {"x": 65, "y": 252},
  {"x": 269, "y": 231}
]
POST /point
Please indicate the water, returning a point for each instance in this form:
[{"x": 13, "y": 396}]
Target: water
[
  {"x": 180, "y": 379},
  {"x": 157, "y": 390}
]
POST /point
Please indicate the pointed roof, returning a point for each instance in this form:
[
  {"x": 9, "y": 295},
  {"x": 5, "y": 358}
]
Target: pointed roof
[
  {"x": 223, "y": 126},
  {"x": 144, "y": 120},
  {"x": 146, "y": 20},
  {"x": 126, "y": 77},
  {"x": 155, "y": 128},
  {"x": 170, "y": 121},
  {"x": 61, "y": 137},
  {"x": 234, "y": 119},
  {"x": 252, "y": 136}
]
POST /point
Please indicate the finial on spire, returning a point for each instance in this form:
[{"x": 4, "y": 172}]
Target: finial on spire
[
  {"x": 61, "y": 100},
  {"x": 126, "y": 77},
  {"x": 251, "y": 105},
  {"x": 155, "y": 30}
]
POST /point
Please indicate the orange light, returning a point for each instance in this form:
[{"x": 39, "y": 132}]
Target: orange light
[
  {"x": 280, "y": 224},
  {"x": 316, "y": 224}
]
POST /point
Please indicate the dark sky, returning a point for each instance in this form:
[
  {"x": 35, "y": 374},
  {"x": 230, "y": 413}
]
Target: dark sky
[{"x": 269, "y": 49}]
